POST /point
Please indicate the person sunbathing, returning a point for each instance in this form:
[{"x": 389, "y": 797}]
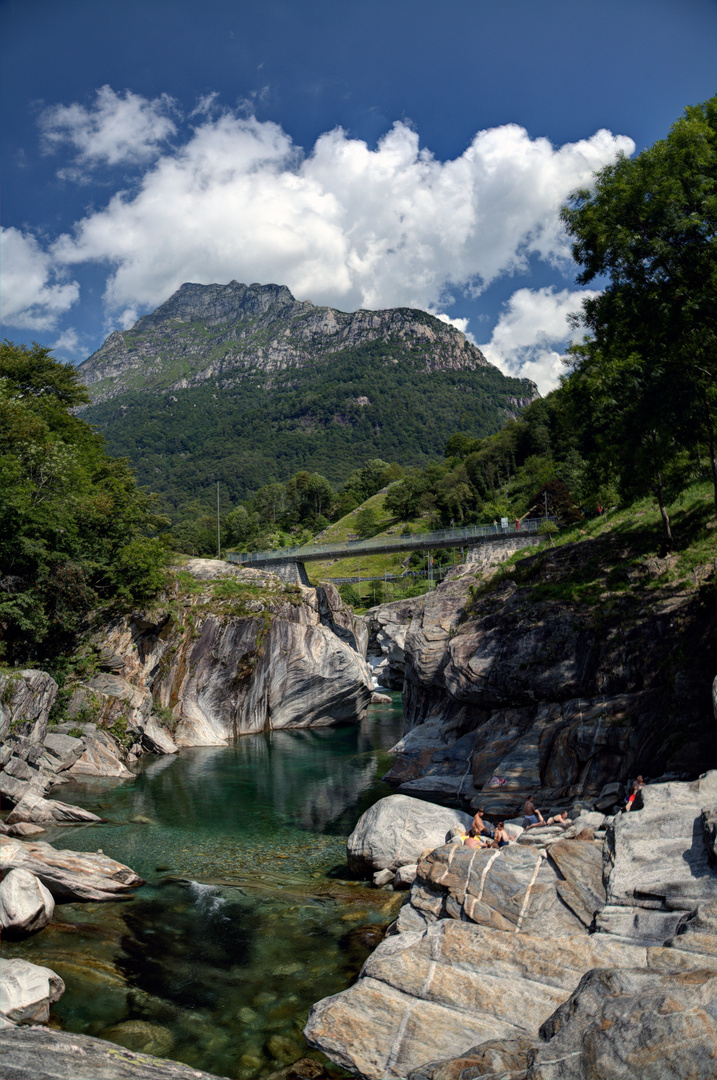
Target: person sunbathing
[{"x": 560, "y": 819}]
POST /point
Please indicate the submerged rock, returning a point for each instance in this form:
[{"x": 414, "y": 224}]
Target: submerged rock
[{"x": 29, "y": 1053}]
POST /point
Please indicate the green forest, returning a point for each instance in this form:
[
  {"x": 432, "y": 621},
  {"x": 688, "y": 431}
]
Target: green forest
[{"x": 182, "y": 444}]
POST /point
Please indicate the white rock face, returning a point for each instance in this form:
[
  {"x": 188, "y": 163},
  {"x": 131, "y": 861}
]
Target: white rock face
[
  {"x": 69, "y": 875},
  {"x": 27, "y": 991},
  {"x": 25, "y": 904},
  {"x": 394, "y": 832},
  {"x": 35, "y": 809}
]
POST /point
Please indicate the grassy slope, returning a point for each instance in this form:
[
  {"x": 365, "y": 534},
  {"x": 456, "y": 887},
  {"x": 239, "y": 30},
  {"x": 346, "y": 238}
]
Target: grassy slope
[
  {"x": 368, "y": 565},
  {"x": 637, "y": 528}
]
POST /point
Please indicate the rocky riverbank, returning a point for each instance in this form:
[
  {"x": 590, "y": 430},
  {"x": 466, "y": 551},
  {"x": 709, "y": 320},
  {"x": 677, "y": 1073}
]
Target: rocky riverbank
[
  {"x": 559, "y": 957},
  {"x": 225, "y": 652}
]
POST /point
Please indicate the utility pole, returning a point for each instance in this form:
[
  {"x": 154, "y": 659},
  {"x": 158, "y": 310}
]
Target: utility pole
[{"x": 219, "y": 537}]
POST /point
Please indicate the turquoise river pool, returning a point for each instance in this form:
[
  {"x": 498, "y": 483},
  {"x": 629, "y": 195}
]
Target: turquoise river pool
[{"x": 246, "y": 917}]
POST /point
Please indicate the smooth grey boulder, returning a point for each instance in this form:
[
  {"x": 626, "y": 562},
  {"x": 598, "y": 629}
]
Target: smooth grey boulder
[
  {"x": 625, "y": 1024},
  {"x": 586, "y": 819},
  {"x": 69, "y": 875},
  {"x": 26, "y": 993},
  {"x": 25, "y": 904},
  {"x": 29, "y": 1053},
  {"x": 405, "y": 876},
  {"x": 32, "y": 808},
  {"x": 396, "y": 830}
]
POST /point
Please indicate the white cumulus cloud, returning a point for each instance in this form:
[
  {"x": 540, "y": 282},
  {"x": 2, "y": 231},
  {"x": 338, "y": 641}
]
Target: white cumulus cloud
[
  {"x": 532, "y": 324},
  {"x": 116, "y": 128},
  {"x": 33, "y": 295},
  {"x": 345, "y": 224}
]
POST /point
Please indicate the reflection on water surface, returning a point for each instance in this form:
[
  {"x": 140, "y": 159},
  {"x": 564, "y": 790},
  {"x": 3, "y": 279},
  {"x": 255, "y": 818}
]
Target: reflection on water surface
[{"x": 245, "y": 919}]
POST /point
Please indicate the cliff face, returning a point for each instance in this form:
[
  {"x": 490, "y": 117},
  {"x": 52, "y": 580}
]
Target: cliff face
[
  {"x": 515, "y": 683},
  {"x": 227, "y": 652},
  {"x": 224, "y": 333},
  {"x": 238, "y": 653}
]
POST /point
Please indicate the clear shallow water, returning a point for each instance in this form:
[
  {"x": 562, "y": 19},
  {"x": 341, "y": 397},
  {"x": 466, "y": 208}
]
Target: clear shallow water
[{"x": 246, "y": 918}]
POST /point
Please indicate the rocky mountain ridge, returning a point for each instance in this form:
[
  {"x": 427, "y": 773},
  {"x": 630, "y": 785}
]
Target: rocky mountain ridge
[
  {"x": 227, "y": 332},
  {"x": 245, "y": 384}
]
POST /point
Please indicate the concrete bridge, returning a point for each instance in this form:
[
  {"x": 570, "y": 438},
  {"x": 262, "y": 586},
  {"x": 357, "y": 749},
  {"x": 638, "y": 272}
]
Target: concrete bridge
[{"x": 288, "y": 563}]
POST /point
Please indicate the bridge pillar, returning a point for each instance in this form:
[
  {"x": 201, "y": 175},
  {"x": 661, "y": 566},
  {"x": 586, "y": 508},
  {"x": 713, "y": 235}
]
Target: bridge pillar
[{"x": 293, "y": 573}]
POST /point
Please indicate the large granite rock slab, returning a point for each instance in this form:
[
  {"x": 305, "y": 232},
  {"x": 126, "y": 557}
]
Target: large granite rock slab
[
  {"x": 423, "y": 996},
  {"x": 657, "y": 854},
  {"x": 25, "y": 904},
  {"x": 395, "y": 831},
  {"x": 29, "y": 1053},
  {"x": 69, "y": 875},
  {"x": 624, "y": 1024},
  {"x": 581, "y": 866},
  {"x": 26, "y": 993},
  {"x": 512, "y": 889},
  {"x": 101, "y": 756},
  {"x": 37, "y": 810}
]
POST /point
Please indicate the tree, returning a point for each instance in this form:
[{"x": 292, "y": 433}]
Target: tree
[
  {"x": 650, "y": 226},
  {"x": 75, "y": 530},
  {"x": 366, "y": 522}
]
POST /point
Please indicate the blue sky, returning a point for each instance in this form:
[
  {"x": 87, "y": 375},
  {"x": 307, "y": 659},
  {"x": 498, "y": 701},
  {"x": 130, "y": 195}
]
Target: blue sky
[{"x": 373, "y": 154}]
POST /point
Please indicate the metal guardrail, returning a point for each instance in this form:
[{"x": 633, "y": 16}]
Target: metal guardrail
[{"x": 444, "y": 538}]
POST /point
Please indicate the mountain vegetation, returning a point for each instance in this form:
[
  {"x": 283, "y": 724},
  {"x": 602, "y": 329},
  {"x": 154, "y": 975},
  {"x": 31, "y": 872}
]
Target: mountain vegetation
[{"x": 245, "y": 385}]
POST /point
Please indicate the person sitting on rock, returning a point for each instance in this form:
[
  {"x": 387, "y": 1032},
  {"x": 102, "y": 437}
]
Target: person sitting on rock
[
  {"x": 533, "y": 818},
  {"x": 479, "y": 827},
  {"x": 637, "y": 785},
  {"x": 500, "y": 837}
]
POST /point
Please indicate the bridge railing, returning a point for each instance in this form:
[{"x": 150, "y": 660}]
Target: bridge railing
[{"x": 442, "y": 538}]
